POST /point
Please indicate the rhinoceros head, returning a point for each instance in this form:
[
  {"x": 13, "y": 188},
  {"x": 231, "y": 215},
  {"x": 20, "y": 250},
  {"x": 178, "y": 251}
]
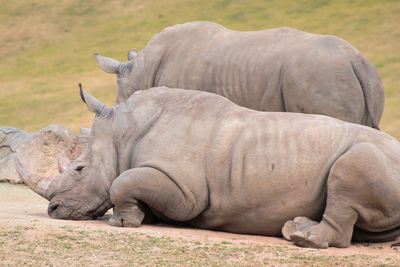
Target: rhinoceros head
[
  {"x": 81, "y": 191},
  {"x": 122, "y": 70}
]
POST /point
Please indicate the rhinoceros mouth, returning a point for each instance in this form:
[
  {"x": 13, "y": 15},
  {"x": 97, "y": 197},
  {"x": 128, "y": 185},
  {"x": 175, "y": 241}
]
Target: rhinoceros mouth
[
  {"x": 58, "y": 210},
  {"x": 101, "y": 209}
]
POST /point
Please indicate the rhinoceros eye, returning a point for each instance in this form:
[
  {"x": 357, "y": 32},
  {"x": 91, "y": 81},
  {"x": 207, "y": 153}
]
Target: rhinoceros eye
[{"x": 79, "y": 168}]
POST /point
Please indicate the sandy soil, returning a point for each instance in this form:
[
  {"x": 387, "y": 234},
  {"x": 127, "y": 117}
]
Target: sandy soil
[{"x": 20, "y": 208}]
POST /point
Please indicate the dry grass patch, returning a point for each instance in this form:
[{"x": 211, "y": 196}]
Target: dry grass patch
[{"x": 36, "y": 245}]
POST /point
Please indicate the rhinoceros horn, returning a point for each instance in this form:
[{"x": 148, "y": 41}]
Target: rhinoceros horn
[
  {"x": 94, "y": 105},
  {"x": 37, "y": 183},
  {"x": 63, "y": 162}
]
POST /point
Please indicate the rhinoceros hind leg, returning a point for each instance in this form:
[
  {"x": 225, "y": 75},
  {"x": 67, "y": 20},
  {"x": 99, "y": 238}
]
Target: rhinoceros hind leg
[
  {"x": 309, "y": 239},
  {"x": 297, "y": 224},
  {"x": 329, "y": 232},
  {"x": 359, "y": 189}
]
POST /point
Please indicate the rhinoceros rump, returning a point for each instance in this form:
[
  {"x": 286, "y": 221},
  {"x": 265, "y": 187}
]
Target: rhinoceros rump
[
  {"x": 197, "y": 158},
  {"x": 280, "y": 69}
]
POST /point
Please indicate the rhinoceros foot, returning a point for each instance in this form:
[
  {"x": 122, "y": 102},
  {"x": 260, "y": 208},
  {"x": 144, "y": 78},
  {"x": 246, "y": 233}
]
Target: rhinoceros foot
[
  {"x": 115, "y": 221},
  {"x": 297, "y": 224},
  {"x": 131, "y": 223},
  {"x": 309, "y": 238},
  {"x": 318, "y": 235},
  {"x": 120, "y": 222},
  {"x": 130, "y": 217}
]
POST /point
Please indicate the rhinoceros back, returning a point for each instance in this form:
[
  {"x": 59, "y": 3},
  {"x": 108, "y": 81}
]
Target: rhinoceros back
[{"x": 281, "y": 69}]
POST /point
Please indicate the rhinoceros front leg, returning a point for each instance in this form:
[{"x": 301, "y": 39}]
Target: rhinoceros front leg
[
  {"x": 116, "y": 219},
  {"x": 152, "y": 187}
]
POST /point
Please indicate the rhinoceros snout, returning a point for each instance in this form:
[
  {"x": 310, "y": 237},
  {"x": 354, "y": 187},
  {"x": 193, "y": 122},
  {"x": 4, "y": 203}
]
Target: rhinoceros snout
[
  {"x": 51, "y": 210},
  {"x": 55, "y": 211},
  {"x": 58, "y": 210}
]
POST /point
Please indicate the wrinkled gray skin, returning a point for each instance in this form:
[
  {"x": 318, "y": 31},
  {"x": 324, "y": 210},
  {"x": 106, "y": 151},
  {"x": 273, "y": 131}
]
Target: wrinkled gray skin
[
  {"x": 280, "y": 69},
  {"x": 196, "y": 158}
]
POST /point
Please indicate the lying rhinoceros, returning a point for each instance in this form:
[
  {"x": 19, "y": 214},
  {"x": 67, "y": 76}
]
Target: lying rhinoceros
[
  {"x": 197, "y": 158},
  {"x": 280, "y": 69}
]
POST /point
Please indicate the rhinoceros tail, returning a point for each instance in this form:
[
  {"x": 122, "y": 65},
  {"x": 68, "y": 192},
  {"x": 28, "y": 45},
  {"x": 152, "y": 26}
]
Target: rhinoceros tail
[
  {"x": 372, "y": 88},
  {"x": 374, "y": 237}
]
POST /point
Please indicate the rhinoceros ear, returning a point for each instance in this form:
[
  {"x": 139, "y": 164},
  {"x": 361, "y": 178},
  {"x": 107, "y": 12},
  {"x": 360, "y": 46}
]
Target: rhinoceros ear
[
  {"x": 107, "y": 64},
  {"x": 132, "y": 54},
  {"x": 94, "y": 105}
]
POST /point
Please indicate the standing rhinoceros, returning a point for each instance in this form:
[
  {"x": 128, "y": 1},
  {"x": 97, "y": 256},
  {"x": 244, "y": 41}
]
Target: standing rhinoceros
[
  {"x": 197, "y": 158},
  {"x": 280, "y": 69}
]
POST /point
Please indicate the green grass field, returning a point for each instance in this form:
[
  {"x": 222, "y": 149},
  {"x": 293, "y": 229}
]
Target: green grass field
[{"x": 46, "y": 47}]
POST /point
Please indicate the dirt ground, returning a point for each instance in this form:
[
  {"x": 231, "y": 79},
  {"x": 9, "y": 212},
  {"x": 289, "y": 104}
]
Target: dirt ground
[{"x": 29, "y": 237}]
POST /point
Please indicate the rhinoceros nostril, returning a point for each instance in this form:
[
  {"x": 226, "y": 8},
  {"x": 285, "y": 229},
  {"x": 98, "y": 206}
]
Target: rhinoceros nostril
[{"x": 52, "y": 208}]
